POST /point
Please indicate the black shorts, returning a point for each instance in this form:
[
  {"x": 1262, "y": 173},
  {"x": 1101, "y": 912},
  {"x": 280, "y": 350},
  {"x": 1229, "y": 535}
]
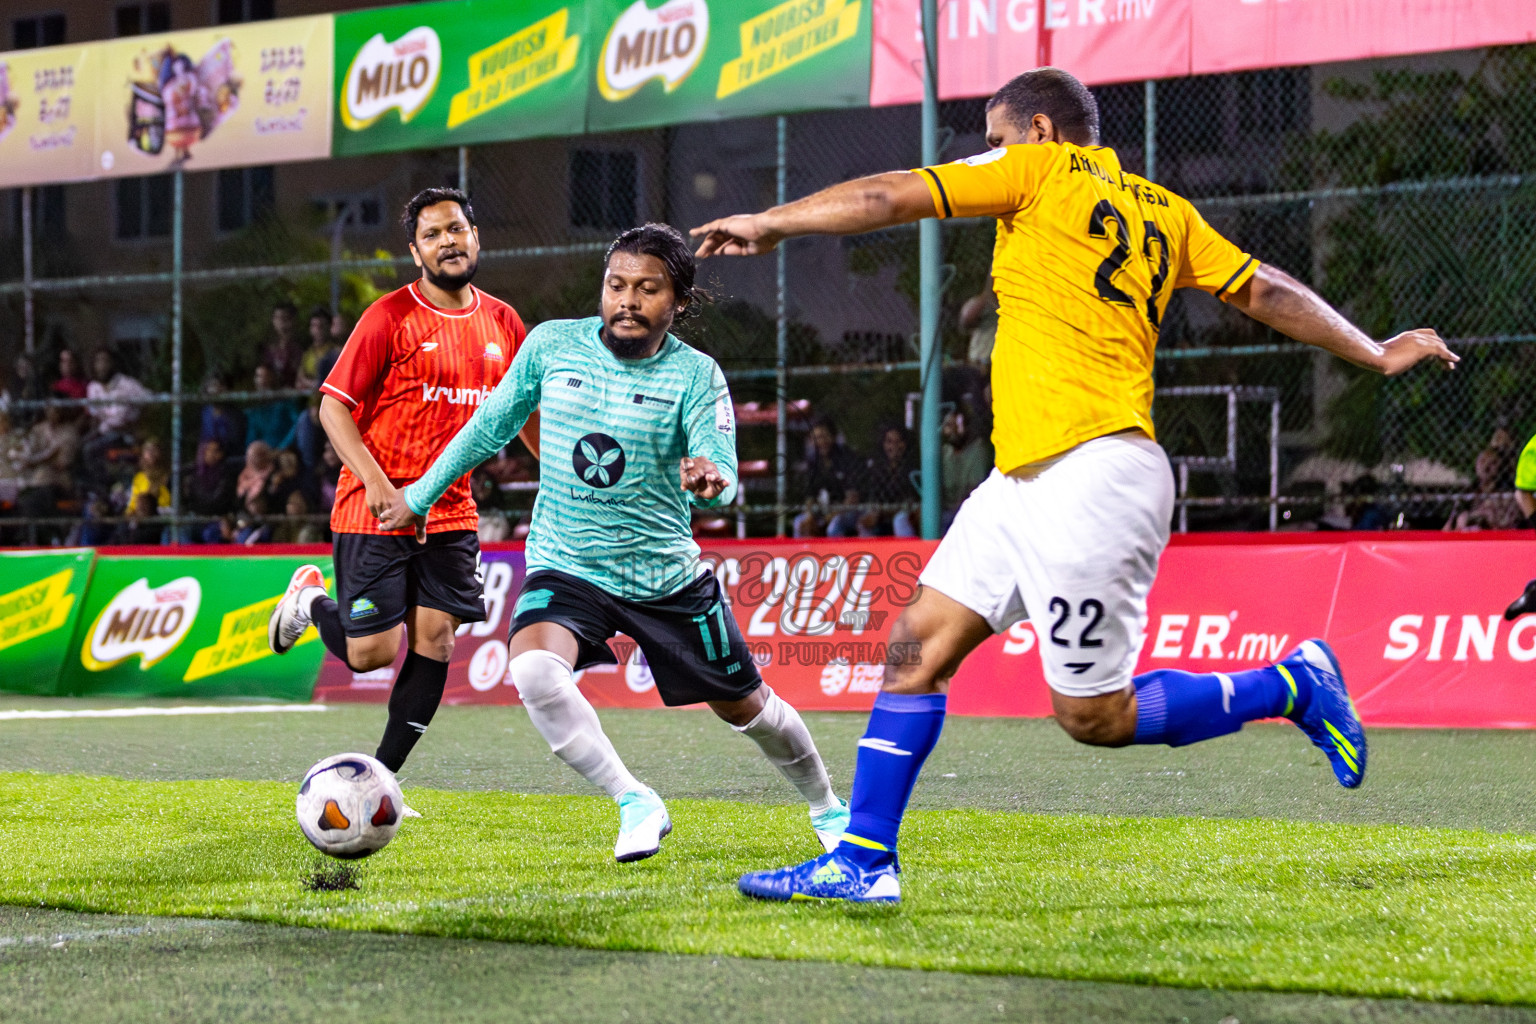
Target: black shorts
[
  {"x": 689, "y": 639},
  {"x": 379, "y": 577}
]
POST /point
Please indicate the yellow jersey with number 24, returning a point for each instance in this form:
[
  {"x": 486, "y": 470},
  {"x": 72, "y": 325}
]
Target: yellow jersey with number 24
[{"x": 1086, "y": 258}]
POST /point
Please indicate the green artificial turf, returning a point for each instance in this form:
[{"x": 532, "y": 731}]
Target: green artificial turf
[{"x": 1375, "y": 910}]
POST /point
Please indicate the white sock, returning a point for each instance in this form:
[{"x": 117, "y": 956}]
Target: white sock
[
  {"x": 568, "y": 722},
  {"x": 306, "y": 600},
  {"x": 784, "y": 740}
]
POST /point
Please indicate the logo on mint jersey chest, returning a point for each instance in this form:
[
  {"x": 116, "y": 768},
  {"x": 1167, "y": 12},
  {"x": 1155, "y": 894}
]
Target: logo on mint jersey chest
[{"x": 598, "y": 460}]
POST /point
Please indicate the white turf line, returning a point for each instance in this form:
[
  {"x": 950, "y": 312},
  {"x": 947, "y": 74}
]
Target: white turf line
[{"x": 244, "y": 709}]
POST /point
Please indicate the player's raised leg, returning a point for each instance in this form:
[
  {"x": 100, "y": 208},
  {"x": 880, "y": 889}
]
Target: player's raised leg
[
  {"x": 926, "y": 646},
  {"x": 543, "y": 654}
]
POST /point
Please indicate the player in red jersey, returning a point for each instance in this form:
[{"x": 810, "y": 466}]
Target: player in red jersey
[{"x": 417, "y": 366}]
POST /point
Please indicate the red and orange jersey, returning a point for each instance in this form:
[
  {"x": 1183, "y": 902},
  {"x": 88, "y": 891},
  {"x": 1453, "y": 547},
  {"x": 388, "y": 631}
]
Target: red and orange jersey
[
  {"x": 1085, "y": 261},
  {"x": 413, "y": 374}
]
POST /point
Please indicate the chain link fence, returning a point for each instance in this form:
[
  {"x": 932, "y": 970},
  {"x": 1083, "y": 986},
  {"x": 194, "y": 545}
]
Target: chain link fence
[{"x": 1402, "y": 190}]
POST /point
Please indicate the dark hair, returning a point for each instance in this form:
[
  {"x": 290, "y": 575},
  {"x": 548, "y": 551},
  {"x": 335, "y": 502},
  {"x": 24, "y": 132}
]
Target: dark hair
[
  {"x": 285, "y": 304},
  {"x": 320, "y": 313},
  {"x": 667, "y": 244},
  {"x": 1056, "y": 94},
  {"x": 431, "y": 197}
]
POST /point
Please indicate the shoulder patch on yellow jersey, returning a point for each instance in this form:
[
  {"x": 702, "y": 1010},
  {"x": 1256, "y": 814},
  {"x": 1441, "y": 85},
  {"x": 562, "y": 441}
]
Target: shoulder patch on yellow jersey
[{"x": 984, "y": 158}]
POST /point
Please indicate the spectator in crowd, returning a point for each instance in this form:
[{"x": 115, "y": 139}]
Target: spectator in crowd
[
  {"x": 272, "y": 421},
  {"x": 327, "y": 475},
  {"x": 221, "y": 421},
  {"x": 111, "y": 426},
  {"x": 284, "y": 352},
  {"x": 293, "y": 531},
  {"x": 341, "y": 329},
  {"x": 46, "y": 459},
  {"x": 1366, "y": 509},
  {"x": 259, "y": 464},
  {"x": 318, "y": 359},
  {"x": 93, "y": 530},
  {"x": 153, "y": 477},
  {"x": 210, "y": 488},
  {"x": 832, "y": 472},
  {"x": 139, "y": 527},
  {"x": 1495, "y": 508},
  {"x": 71, "y": 382},
  {"x": 965, "y": 458},
  {"x": 888, "y": 481},
  {"x": 222, "y": 530},
  {"x": 250, "y": 524},
  {"x": 12, "y": 438},
  {"x": 24, "y": 386},
  {"x": 287, "y": 477}
]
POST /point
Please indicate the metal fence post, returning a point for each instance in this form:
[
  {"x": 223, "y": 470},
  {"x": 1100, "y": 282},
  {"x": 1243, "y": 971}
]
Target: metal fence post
[
  {"x": 464, "y": 169},
  {"x": 929, "y": 255},
  {"x": 28, "y": 308},
  {"x": 1149, "y": 141},
  {"x": 178, "y": 223},
  {"x": 781, "y": 344}
]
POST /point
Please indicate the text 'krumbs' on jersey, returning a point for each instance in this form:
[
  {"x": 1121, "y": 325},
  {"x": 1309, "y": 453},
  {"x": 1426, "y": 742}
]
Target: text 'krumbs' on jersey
[
  {"x": 413, "y": 374},
  {"x": 1085, "y": 260}
]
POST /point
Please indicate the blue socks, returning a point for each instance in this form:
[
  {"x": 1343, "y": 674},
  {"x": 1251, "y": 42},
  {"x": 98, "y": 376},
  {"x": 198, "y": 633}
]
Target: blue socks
[
  {"x": 1178, "y": 708},
  {"x": 903, "y": 730}
]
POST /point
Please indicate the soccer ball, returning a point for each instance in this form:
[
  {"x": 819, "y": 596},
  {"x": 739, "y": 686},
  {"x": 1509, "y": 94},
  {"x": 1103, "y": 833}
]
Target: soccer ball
[{"x": 349, "y": 805}]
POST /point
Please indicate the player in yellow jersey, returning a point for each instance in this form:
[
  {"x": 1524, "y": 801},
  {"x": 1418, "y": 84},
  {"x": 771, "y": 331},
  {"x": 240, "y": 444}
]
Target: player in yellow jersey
[{"x": 1069, "y": 527}]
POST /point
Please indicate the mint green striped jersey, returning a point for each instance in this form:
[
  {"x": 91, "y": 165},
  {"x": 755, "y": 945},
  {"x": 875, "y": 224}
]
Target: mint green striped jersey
[{"x": 610, "y": 508}]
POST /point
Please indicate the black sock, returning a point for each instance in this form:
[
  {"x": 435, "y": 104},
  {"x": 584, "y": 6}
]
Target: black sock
[
  {"x": 412, "y": 703},
  {"x": 326, "y": 616}
]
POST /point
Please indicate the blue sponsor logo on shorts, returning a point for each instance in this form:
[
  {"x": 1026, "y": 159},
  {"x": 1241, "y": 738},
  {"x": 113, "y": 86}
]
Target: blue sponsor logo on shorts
[
  {"x": 532, "y": 601},
  {"x": 362, "y": 608}
]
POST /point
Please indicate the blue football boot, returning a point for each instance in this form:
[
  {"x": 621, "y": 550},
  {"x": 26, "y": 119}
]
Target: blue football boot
[
  {"x": 829, "y": 877},
  {"x": 1330, "y": 719}
]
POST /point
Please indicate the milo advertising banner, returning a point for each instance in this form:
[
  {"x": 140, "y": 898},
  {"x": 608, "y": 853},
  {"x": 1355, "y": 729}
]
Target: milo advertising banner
[
  {"x": 47, "y": 115},
  {"x": 187, "y": 627},
  {"x": 698, "y": 60},
  {"x": 450, "y": 74},
  {"x": 39, "y": 604},
  {"x": 227, "y": 96}
]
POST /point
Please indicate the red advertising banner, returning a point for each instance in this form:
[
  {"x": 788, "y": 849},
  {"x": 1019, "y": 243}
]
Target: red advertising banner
[
  {"x": 983, "y": 43},
  {"x": 1416, "y": 624}
]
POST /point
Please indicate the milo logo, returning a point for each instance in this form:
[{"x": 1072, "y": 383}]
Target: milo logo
[
  {"x": 643, "y": 44},
  {"x": 401, "y": 75},
  {"x": 150, "y": 623}
]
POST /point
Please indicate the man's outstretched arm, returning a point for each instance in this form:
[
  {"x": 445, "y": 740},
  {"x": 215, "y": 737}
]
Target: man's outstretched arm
[
  {"x": 1276, "y": 298},
  {"x": 850, "y": 208}
]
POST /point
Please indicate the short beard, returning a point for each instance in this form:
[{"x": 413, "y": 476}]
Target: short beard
[
  {"x": 629, "y": 348},
  {"x": 451, "y": 282}
]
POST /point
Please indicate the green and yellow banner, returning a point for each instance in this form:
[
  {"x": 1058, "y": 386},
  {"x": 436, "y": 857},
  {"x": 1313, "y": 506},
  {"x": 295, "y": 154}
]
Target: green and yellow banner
[{"x": 39, "y": 606}]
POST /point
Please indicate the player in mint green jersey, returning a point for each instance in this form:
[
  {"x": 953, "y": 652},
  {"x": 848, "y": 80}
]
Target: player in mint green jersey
[{"x": 637, "y": 430}]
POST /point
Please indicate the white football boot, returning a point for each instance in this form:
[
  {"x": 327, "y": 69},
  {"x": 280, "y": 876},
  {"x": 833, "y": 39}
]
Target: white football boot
[
  {"x": 643, "y": 823},
  {"x": 289, "y": 619}
]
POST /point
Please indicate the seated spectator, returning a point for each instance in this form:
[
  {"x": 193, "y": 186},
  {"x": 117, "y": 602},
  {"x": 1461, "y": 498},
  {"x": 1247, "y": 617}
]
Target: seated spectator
[
  {"x": 11, "y": 441},
  {"x": 1495, "y": 508},
  {"x": 1366, "y": 510},
  {"x": 210, "y": 488},
  {"x": 283, "y": 352},
  {"x": 965, "y": 459},
  {"x": 221, "y": 422},
  {"x": 259, "y": 464},
  {"x": 250, "y": 524},
  {"x": 832, "y": 472},
  {"x": 321, "y": 355},
  {"x": 138, "y": 527},
  {"x": 270, "y": 421},
  {"x": 286, "y": 478},
  {"x": 110, "y": 426},
  {"x": 71, "y": 382},
  {"x": 92, "y": 531},
  {"x": 221, "y": 531},
  {"x": 293, "y": 531},
  {"x": 47, "y": 460},
  {"x": 888, "y": 481},
  {"x": 153, "y": 477},
  {"x": 24, "y": 386},
  {"x": 327, "y": 475}
]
